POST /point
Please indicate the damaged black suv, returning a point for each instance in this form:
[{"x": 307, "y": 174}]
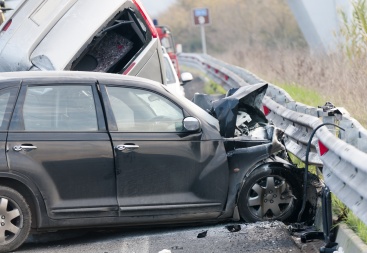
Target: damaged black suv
[{"x": 85, "y": 149}]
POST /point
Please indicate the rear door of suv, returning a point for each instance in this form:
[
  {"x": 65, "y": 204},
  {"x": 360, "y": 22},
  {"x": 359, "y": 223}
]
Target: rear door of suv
[{"x": 58, "y": 139}]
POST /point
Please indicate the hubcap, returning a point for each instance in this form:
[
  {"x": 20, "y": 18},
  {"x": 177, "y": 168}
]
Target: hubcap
[
  {"x": 11, "y": 220},
  {"x": 270, "y": 198}
]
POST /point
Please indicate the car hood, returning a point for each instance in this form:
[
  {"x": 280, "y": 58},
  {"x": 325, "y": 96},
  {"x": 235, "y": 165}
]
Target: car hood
[{"x": 240, "y": 106}]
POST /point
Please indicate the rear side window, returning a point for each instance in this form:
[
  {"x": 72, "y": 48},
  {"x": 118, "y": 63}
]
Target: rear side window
[
  {"x": 58, "y": 108},
  {"x": 7, "y": 97},
  {"x": 113, "y": 48},
  {"x": 170, "y": 75}
]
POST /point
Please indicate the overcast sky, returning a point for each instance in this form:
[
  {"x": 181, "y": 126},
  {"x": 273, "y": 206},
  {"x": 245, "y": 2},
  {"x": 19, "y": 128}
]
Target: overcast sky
[{"x": 154, "y": 7}]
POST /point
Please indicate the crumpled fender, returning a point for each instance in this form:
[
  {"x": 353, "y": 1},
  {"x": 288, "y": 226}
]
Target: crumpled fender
[{"x": 241, "y": 163}]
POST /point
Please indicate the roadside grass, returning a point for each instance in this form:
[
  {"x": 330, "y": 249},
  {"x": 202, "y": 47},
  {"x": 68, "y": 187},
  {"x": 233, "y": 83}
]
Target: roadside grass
[
  {"x": 302, "y": 94},
  {"x": 339, "y": 209},
  {"x": 299, "y": 164},
  {"x": 334, "y": 77},
  {"x": 212, "y": 87},
  {"x": 357, "y": 226},
  {"x": 344, "y": 214}
]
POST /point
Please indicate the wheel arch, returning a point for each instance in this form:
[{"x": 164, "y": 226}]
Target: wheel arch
[
  {"x": 29, "y": 191},
  {"x": 240, "y": 169},
  {"x": 269, "y": 163},
  {"x": 296, "y": 174}
]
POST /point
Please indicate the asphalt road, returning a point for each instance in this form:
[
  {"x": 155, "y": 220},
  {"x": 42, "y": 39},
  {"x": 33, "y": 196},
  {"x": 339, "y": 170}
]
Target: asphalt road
[
  {"x": 196, "y": 85},
  {"x": 258, "y": 238}
]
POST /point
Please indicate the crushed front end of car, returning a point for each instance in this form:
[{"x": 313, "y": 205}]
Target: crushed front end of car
[
  {"x": 241, "y": 121},
  {"x": 264, "y": 185}
]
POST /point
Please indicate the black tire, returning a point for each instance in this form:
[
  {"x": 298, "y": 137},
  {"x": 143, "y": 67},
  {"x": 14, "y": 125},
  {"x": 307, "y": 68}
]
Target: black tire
[
  {"x": 15, "y": 219},
  {"x": 271, "y": 194}
]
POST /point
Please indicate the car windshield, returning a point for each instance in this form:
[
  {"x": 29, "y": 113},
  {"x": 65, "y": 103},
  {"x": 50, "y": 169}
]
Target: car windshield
[{"x": 168, "y": 44}]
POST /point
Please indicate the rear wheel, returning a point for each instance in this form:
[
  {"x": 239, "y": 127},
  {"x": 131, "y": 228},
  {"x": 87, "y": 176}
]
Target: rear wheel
[
  {"x": 15, "y": 219},
  {"x": 270, "y": 194}
]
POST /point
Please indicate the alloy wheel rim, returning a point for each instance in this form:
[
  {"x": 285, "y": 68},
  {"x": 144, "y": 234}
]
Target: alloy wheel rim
[
  {"x": 11, "y": 220},
  {"x": 270, "y": 198}
]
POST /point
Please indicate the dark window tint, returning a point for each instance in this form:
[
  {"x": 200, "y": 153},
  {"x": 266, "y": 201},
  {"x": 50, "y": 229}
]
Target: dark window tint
[
  {"x": 59, "y": 108},
  {"x": 137, "y": 110}
]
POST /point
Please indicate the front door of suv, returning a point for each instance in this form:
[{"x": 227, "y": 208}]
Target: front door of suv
[
  {"x": 162, "y": 169},
  {"x": 58, "y": 139}
]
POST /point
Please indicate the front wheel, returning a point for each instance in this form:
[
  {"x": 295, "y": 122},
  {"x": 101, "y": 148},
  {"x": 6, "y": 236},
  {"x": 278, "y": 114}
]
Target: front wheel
[
  {"x": 270, "y": 194},
  {"x": 15, "y": 219}
]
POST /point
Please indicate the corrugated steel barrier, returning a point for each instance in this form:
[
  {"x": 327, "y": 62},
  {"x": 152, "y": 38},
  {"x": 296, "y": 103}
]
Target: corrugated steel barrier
[{"x": 345, "y": 162}]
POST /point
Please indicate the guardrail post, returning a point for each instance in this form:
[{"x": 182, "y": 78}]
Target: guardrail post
[
  {"x": 351, "y": 135},
  {"x": 291, "y": 105},
  {"x": 362, "y": 141},
  {"x": 280, "y": 98}
]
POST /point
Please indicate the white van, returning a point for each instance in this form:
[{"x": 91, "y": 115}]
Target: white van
[
  {"x": 174, "y": 83},
  {"x": 114, "y": 36}
]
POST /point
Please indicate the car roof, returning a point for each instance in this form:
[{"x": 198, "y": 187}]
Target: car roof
[{"x": 77, "y": 77}]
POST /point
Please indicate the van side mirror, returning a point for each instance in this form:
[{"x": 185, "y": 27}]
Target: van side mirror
[
  {"x": 42, "y": 62},
  {"x": 186, "y": 77},
  {"x": 191, "y": 124}
]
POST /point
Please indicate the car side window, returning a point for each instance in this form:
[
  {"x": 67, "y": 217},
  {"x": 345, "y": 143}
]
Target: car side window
[
  {"x": 59, "y": 108},
  {"x": 137, "y": 110},
  {"x": 170, "y": 75},
  {"x": 7, "y": 97},
  {"x": 4, "y": 99}
]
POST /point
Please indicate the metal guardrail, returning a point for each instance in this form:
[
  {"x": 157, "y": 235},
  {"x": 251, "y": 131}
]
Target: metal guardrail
[{"x": 345, "y": 162}]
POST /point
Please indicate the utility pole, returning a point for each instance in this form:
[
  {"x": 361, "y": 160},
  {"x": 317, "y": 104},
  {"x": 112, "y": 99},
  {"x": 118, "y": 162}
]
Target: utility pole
[{"x": 203, "y": 38}]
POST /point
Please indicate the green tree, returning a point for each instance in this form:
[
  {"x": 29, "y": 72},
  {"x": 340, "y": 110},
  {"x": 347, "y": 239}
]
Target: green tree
[{"x": 354, "y": 30}]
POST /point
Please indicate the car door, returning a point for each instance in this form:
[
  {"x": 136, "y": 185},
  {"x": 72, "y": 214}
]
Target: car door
[
  {"x": 162, "y": 169},
  {"x": 58, "y": 139}
]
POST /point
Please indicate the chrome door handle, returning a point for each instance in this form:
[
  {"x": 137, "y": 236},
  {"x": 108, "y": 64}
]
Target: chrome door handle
[
  {"x": 127, "y": 147},
  {"x": 23, "y": 147}
]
